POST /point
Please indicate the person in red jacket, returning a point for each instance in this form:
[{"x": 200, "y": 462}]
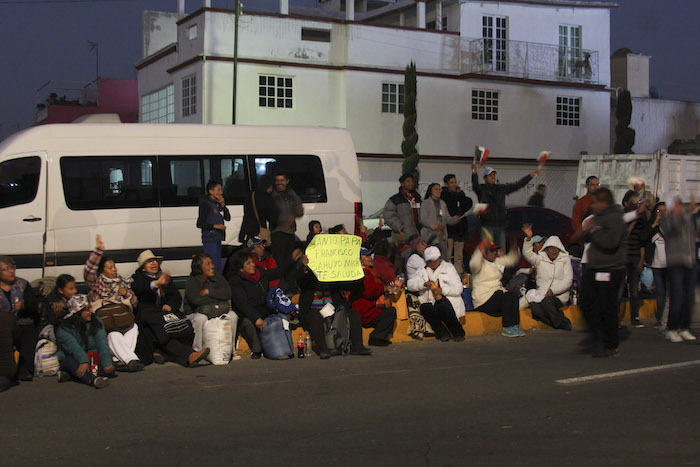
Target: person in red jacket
[
  {"x": 582, "y": 206},
  {"x": 364, "y": 300},
  {"x": 262, "y": 258}
]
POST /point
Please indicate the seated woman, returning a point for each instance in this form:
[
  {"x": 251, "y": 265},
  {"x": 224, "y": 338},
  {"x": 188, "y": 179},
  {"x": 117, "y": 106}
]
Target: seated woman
[
  {"x": 364, "y": 300},
  {"x": 440, "y": 295},
  {"x": 159, "y": 317},
  {"x": 82, "y": 342},
  {"x": 554, "y": 278},
  {"x": 55, "y": 305},
  {"x": 107, "y": 286},
  {"x": 488, "y": 294},
  {"x": 249, "y": 285},
  {"x": 207, "y": 295},
  {"x": 17, "y": 298},
  {"x": 314, "y": 295}
]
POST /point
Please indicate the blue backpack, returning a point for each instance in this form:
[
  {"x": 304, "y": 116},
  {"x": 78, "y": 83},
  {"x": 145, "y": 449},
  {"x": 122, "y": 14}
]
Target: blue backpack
[{"x": 276, "y": 339}]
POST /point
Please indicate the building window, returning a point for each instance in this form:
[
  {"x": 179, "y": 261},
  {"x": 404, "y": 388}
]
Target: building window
[
  {"x": 569, "y": 111},
  {"x": 494, "y": 35},
  {"x": 275, "y": 91},
  {"x": 392, "y": 98},
  {"x": 315, "y": 35},
  {"x": 189, "y": 96},
  {"x": 484, "y": 105},
  {"x": 192, "y": 32},
  {"x": 159, "y": 106},
  {"x": 570, "y": 51},
  {"x": 433, "y": 24}
]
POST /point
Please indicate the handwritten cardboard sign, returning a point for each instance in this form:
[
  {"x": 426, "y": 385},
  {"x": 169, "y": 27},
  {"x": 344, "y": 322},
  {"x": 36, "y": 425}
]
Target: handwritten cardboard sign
[{"x": 335, "y": 257}]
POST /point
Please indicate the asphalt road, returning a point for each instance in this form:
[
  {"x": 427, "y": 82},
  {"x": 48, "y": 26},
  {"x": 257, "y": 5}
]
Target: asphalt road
[{"x": 486, "y": 401}]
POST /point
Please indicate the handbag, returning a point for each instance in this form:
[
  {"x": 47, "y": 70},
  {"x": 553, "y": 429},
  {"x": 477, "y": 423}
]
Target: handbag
[
  {"x": 177, "y": 326},
  {"x": 216, "y": 309},
  {"x": 263, "y": 234},
  {"x": 115, "y": 316}
]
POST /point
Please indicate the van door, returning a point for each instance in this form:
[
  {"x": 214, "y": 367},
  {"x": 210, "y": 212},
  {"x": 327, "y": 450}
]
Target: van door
[{"x": 23, "y": 211}]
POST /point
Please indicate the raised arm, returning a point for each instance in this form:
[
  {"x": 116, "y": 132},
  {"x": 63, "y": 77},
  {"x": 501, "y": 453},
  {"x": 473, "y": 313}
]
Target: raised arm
[{"x": 90, "y": 269}]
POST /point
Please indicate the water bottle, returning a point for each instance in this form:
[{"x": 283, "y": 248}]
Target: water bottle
[
  {"x": 301, "y": 348},
  {"x": 307, "y": 344}
]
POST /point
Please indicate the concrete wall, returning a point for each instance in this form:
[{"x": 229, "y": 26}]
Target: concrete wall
[
  {"x": 159, "y": 30},
  {"x": 658, "y": 122},
  {"x": 631, "y": 72}
]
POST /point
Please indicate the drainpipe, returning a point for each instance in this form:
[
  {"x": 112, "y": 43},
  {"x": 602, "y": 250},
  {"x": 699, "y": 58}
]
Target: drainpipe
[
  {"x": 284, "y": 7},
  {"x": 438, "y": 15},
  {"x": 420, "y": 12}
]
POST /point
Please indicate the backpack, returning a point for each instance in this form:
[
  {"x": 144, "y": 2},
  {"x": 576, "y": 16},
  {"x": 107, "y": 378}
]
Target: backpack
[
  {"x": 276, "y": 339},
  {"x": 46, "y": 358},
  {"x": 41, "y": 288},
  {"x": 337, "y": 331}
]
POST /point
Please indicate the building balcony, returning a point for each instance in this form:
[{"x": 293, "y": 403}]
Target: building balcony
[{"x": 530, "y": 60}]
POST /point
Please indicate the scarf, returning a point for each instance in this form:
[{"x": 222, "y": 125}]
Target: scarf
[{"x": 253, "y": 277}]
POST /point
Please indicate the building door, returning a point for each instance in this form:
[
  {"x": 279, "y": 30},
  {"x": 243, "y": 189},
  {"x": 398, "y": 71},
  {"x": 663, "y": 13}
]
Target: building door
[
  {"x": 569, "y": 51},
  {"x": 495, "y": 45}
]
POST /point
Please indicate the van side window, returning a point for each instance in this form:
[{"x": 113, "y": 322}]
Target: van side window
[
  {"x": 305, "y": 174},
  {"x": 184, "y": 178},
  {"x": 108, "y": 182},
  {"x": 19, "y": 181}
]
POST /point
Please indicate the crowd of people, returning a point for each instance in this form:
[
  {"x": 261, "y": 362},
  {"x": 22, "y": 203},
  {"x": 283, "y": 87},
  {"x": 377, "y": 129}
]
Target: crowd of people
[{"x": 416, "y": 273}]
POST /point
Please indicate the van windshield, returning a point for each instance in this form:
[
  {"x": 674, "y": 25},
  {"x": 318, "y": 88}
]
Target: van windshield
[{"x": 19, "y": 181}]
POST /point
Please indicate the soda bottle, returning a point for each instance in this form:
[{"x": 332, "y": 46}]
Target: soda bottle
[
  {"x": 300, "y": 347},
  {"x": 307, "y": 344},
  {"x": 93, "y": 367}
]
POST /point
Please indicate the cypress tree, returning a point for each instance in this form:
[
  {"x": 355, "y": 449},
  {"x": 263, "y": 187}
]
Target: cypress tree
[
  {"x": 624, "y": 135},
  {"x": 410, "y": 135}
]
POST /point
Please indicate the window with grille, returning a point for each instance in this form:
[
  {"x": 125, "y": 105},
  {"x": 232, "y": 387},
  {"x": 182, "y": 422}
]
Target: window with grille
[
  {"x": 159, "y": 106},
  {"x": 275, "y": 91},
  {"x": 569, "y": 111},
  {"x": 392, "y": 98},
  {"x": 189, "y": 96},
  {"x": 484, "y": 105},
  {"x": 494, "y": 34}
]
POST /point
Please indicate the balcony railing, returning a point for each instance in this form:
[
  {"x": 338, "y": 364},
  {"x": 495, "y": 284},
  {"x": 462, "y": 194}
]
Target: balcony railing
[{"x": 530, "y": 60}]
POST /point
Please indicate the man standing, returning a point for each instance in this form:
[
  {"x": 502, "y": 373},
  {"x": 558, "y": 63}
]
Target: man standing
[
  {"x": 457, "y": 204},
  {"x": 288, "y": 207},
  {"x": 604, "y": 271},
  {"x": 634, "y": 244},
  {"x": 582, "y": 206},
  {"x": 401, "y": 211},
  {"x": 494, "y": 194},
  {"x": 537, "y": 199},
  {"x": 212, "y": 214}
]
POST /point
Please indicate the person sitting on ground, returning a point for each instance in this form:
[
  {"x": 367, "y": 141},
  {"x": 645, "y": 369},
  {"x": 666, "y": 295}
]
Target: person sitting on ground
[
  {"x": 382, "y": 261},
  {"x": 364, "y": 300},
  {"x": 261, "y": 257},
  {"x": 554, "y": 278},
  {"x": 158, "y": 315},
  {"x": 416, "y": 248},
  {"x": 440, "y": 295},
  {"x": 313, "y": 297},
  {"x": 249, "y": 285},
  {"x": 488, "y": 293},
  {"x": 338, "y": 229},
  {"x": 208, "y": 295},
  {"x": 82, "y": 342},
  {"x": 17, "y": 297},
  {"x": 315, "y": 228},
  {"x": 55, "y": 305},
  {"x": 434, "y": 217},
  {"x": 107, "y": 286}
]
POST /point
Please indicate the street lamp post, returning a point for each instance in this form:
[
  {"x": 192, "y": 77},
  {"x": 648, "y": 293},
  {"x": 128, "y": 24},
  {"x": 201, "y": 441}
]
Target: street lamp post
[{"x": 235, "y": 62}]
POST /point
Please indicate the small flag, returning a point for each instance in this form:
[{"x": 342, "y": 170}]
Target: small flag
[
  {"x": 486, "y": 235},
  {"x": 542, "y": 159},
  {"x": 481, "y": 154}
]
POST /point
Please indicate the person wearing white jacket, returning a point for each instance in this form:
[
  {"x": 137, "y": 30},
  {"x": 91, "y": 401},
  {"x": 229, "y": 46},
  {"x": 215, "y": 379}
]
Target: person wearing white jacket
[
  {"x": 440, "y": 294},
  {"x": 488, "y": 293},
  {"x": 554, "y": 278}
]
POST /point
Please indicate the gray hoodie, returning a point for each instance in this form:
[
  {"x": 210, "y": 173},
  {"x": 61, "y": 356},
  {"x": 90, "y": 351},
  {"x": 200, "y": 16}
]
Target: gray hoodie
[
  {"x": 679, "y": 233},
  {"x": 607, "y": 249}
]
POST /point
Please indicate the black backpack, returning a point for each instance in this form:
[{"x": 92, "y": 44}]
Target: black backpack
[{"x": 337, "y": 330}]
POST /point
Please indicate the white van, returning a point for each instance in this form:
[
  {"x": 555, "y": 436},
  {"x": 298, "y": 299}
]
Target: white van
[{"x": 138, "y": 186}]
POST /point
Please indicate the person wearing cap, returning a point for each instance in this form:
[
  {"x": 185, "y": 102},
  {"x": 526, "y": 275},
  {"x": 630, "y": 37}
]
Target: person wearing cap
[
  {"x": 415, "y": 248},
  {"x": 159, "y": 300},
  {"x": 401, "y": 211},
  {"x": 488, "y": 294},
  {"x": 440, "y": 296},
  {"x": 554, "y": 278},
  {"x": 256, "y": 246},
  {"x": 82, "y": 342},
  {"x": 494, "y": 194},
  {"x": 364, "y": 300}
]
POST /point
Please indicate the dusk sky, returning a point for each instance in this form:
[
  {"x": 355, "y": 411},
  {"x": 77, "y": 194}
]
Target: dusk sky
[{"x": 47, "y": 40}]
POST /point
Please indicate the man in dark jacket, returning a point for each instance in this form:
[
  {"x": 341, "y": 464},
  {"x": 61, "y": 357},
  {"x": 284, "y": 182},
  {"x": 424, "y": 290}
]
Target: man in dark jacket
[
  {"x": 457, "y": 204},
  {"x": 260, "y": 215},
  {"x": 288, "y": 207},
  {"x": 494, "y": 194},
  {"x": 212, "y": 214},
  {"x": 401, "y": 211},
  {"x": 635, "y": 241},
  {"x": 537, "y": 199},
  {"x": 604, "y": 271}
]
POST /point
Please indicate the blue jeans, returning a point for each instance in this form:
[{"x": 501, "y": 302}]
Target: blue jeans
[{"x": 213, "y": 250}]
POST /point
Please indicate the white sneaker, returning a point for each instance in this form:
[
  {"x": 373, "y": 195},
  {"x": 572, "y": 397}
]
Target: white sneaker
[
  {"x": 686, "y": 335},
  {"x": 673, "y": 336}
]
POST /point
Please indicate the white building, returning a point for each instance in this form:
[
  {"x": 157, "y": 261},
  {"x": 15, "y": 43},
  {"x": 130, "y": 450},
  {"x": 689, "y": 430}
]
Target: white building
[{"x": 516, "y": 76}]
